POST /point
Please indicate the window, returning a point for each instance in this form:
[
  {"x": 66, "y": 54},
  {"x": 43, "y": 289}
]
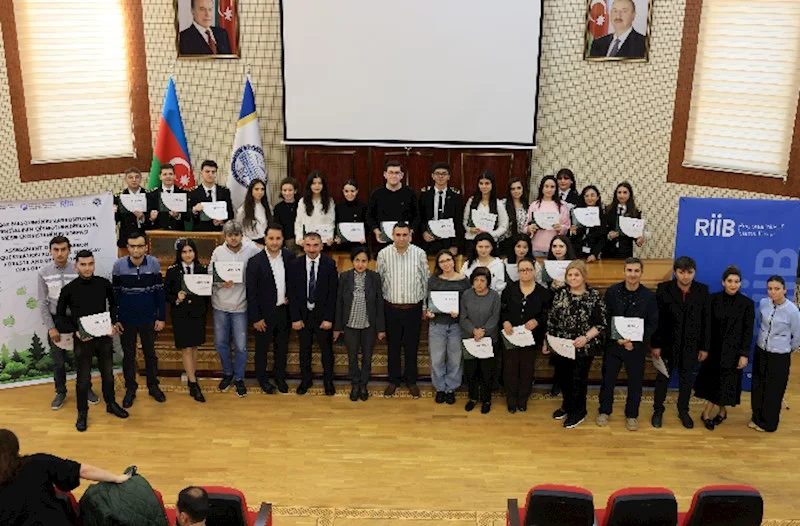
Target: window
[
  {"x": 78, "y": 86},
  {"x": 736, "y": 102}
]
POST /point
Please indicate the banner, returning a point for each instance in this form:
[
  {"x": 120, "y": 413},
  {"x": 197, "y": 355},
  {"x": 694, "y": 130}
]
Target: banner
[
  {"x": 26, "y": 228},
  {"x": 247, "y": 159},
  {"x": 757, "y": 235}
]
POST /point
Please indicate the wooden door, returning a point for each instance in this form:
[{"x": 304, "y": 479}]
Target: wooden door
[
  {"x": 337, "y": 165},
  {"x": 416, "y": 163}
]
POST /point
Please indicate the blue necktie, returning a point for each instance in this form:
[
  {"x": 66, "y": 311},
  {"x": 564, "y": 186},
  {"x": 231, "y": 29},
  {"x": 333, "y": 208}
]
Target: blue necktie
[{"x": 312, "y": 283}]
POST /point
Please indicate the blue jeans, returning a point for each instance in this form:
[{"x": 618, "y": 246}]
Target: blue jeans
[
  {"x": 227, "y": 325},
  {"x": 444, "y": 344}
]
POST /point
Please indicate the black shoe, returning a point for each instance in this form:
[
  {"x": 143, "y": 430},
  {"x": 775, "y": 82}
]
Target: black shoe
[
  {"x": 192, "y": 388},
  {"x": 81, "y": 424},
  {"x": 267, "y": 387},
  {"x": 282, "y": 387},
  {"x": 657, "y": 420},
  {"x": 573, "y": 421},
  {"x": 157, "y": 394},
  {"x": 450, "y": 398},
  {"x": 523, "y": 406},
  {"x": 130, "y": 396},
  {"x": 225, "y": 384},
  {"x": 559, "y": 414},
  {"x": 555, "y": 390},
  {"x": 719, "y": 419},
  {"x": 512, "y": 409},
  {"x": 486, "y": 407},
  {"x": 198, "y": 393},
  {"x": 330, "y": 390},
  {"x": 58, "y": 401},
  {"x": 302, "y": 388},
  {"x": 709, "y": 423},
  {"x": 92, "y": 398},
  {"x": 470, "y": 405},
  {"x": 354, "y": 394},
  {"x": 687, "y": 421},
  {"x": 241, "y": 390},
  {"x": 114, "y": 409},
  {"x": 440, "y": 395}
]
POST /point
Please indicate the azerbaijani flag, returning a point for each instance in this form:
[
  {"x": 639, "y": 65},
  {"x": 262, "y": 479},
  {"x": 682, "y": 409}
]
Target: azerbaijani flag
[
  {"x": 171, "y": 144},
  {"x": 247, "y": 160},
  {"x": 226, "y": 19},
  {"x": 598, "y": 19}
]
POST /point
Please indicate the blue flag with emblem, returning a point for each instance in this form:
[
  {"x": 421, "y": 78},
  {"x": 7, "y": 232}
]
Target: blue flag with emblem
[{"x": 247, "y": 161}]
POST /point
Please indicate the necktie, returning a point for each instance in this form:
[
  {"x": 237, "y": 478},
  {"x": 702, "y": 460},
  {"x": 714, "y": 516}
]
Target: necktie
[
  {"x": 211, "y": 43},
  {"x": 620, "y": 211},
  {"x": 614, "y": 48},
  {"x": 210, "y": 198},
  {"x": 312, "y": 283},
  {"x": 188, "y": 270},
  {"x": 440, "y": 205}
]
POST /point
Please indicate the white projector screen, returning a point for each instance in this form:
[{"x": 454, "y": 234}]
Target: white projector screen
[{"x": 411, "y": 72}]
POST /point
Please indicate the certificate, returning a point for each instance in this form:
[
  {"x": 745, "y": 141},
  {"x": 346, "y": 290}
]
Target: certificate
[
  {"x": 217, "y": 210},
  {"x": 386, "y": 230},
  {"x": 352, "y": 232},
  {"x": 66, "y": 342},
  {"x": 561, "y": 346},
  {"x": 442, "y": 228},
  {"x": 325, "y": 231},
  {"x": 133, "y": 202},
  {"x": 443, "y": 302},
  {"x": 557, "y": 269},
  {"x": 521, "y": 337},
  {"x": 483, "y": 220},
  {"x": 173, "y": 202},
  {"x": 228, "y": 271},
  {"x": 624, "y": 328},
  {"x": 587, "y": 217},
  {"x": 95, "y": 325},
  {"x": 482, "y": 348},
  {"x": 660, "y": 366},
  {"x": 512, "y": 270},
  {"x": 546, "y": 220},
  {"x": 198, "y": 284},
  {"x": 631, "y": 227}
]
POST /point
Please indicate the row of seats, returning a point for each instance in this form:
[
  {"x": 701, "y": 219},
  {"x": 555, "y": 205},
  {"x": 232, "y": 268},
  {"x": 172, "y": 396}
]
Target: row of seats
[
  {"x": 227, "y": 507},
  {"x": 551, "y": 505}
]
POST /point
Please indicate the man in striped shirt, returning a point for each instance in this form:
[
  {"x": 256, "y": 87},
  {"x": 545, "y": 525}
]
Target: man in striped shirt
[{"x": 404, "y": 272}]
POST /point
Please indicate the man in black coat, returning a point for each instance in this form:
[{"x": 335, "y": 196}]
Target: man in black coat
[
  {"x": 440, "y": 202},
  {"x": 625, "y": 41},
  {"x": 208, "y": 191},
  {"x": 129, "y": 221},
  {"x": 268, "y": 306},
  {"x": 201, "y": 38},
  {"x": 679, "y": 338},
  {"x": 159, "y": 217}
]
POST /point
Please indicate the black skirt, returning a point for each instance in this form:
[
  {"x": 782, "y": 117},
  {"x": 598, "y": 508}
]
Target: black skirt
[
  {"x": 188, "y": 331},
  {"x": 720, "y": 386}
]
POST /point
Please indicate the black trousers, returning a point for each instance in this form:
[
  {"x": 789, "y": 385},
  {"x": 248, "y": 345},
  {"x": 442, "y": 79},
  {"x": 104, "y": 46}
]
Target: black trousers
[
  {"x": 277, "y": 333},
  {"x": 363, "y": 340},
  {"x": 770, "y": 376},
  {"x": 84, "y": 352},
  {"x": 58, "y": 355},
  {"x": 479, "y": 374},
  {"x": 307, "y": 335},
  {"x": 518, "y": 365},
  {"x": 403, "y": 327},
  {"x": 574, "y": 383},
  {"x": 613, "y": 360},
  {"x": 147, "y": 334},
  {"x": 686, "y": 363}
]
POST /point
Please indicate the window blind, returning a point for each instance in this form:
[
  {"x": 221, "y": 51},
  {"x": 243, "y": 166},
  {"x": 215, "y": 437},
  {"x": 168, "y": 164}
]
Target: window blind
[
  {"x": 74, "y": 65},
  {"x": 746, "y": 82}
]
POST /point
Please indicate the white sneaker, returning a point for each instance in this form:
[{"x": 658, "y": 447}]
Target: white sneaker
[
  {"x": 631, "y": 424},
  {"x": 602, "y": 420}
]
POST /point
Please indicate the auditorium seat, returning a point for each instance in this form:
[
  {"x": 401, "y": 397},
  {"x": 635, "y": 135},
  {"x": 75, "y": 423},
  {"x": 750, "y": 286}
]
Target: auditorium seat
[
  {"x": 228, "y": 507},
  {"x": 69, "y": 504},
  {"x": 551, "y": 505},
  {"x": 640, "y": 506},
  {"x": 170, "y": 517},
  {"x": 725, "y": 506}
]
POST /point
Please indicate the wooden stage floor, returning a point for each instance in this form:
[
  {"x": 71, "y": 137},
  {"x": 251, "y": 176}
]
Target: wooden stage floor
[{"x": 324, "y": 461}]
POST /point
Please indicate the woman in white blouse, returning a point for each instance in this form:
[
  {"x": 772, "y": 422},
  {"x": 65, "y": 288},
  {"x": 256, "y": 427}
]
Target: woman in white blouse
[
  {"x": 484, "y": 200},
  {"x": 316, "y": 210},
  {"x": 255, "y": 214},
  {"x": 486, "y": 256}
]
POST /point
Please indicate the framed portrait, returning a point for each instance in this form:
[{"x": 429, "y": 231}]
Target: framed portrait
[
  {"x": 207, "y": 29},
  {"x": 618, "y": 30}
]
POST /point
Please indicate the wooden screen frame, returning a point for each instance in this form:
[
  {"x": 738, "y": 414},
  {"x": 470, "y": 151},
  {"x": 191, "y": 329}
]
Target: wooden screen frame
[
  {"x": 139, "y": 106},
  {"x": 676, "y": 172}
]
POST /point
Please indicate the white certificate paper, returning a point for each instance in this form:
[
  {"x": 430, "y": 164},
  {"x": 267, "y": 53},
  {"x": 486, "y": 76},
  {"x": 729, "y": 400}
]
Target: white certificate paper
[
  {"x": 521, "y": 337},
  {"x": 546, "y": 220},
  {"x": 174, "y": 202},
  {"x": 556, "y": 269},
  {"x": 561, "y": 346},
  {"x": 512, "y": 270},
  {"x": 625, "y": 328},
  {"x": 442, "y": 228},
  {"x": 217, "y": 210},
  {"x": 483, "y": 220},
  {"x": 134, "y": 202},
  {"x": 228, "y": 271},
  {"x": 631, "y": 227},
  {"x": 386, "y": 230},
  {"x": 325, "y": 231},
  {"x": 352, "y": 232},
  {"x": 95, "y": 325},
  {"x": 660, "y": 366},
  {"x": 66, "y": 342},
  {"x": 482, "y": 348},
  {"x": 443, "y": 302},
  {"x": 198, "y": 284},
  {"x": 588, "y": 216}
]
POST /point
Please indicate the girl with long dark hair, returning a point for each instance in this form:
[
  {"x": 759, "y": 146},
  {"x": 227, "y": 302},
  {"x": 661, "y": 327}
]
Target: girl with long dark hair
[
  {"x": 619, "y": 245},
  {"x": 548, "y": 200},
  {"x": 516, "y": 205},
  {"x": 484, "y": 200},
  {"x": 315, "y": 209},
  {"x": 255, "y": 214},
  {"x": 588, "y": 242}
]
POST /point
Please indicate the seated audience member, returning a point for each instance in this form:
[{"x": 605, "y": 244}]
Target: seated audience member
[
  {"x": 254, "y": 214},
  {"x": 620, "y": 246},
  {"x": 159, "y": 216},
  {"x": 360, "y": 316},
  {"x": 129, "y": 221},
  {"x": 560, "y": 250},
  {"x": 208, "y": 191},
  {"x": 28, "y": 484},
  {"x": 391, "y": 202},
  {"x": 438, "y": 202},
  {"x": 516, "y": 205},
  {"x": 315, "y": 209},
  {"x": 567, "y": 189},
  {"x": 192, "y": 507},
  {"x": 350, "y": 210},
  {"x": 485, "y": 255},
  {"x": 522, "y": 248},
  {"x": 484, "y": 200},
  {"x": 588, "y": 242},
  {"x": 549, "y": 201},
  {"x": 285, "y": 211}
]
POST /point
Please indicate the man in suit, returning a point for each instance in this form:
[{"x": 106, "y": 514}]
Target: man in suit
[
  {"x": 625, "y": 41},
  {"x": 135, "y": 221},
  {"x": 208, "y": 191},
  {"x": 159, "y": 217},
  {"x": 201, "y": 38},
  {"x": 312, "y": 304},
  {"x": 268, "y": 306},
  {"x": 679, "y": 338},
  {"x": 440, "y": 202}
]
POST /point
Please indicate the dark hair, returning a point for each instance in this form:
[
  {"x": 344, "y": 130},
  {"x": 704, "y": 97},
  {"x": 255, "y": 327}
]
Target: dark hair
[
  {"x": 359, "y": 249},
  {"x": 630, "y": 206},
  {"x": 527, "y": 259},
  {"x": 57, "y": 240},
  {"x": 208, "y": 162},
  {"x": 166, "y": 166},
  {"x": 351, "y": 182},
  {"x": 272, "y": 225},
  {"x": 392, "y": 162},
  {"x": 512, "y": 255},
  {"x": 634, "y": 261},
  {"x": 308, "y": 198},
  {"x": 566, "y": 172},
  {"x": 510, "y": 209},
  {"x": 292, "y": 181},
  {"x": 483, "y": 236},
  {"x": 440, "y": 166},
  {"x": 778, "y": 279},
  {"x": 249, "y": 205},
  {"x": 477, "y": 196},
  {"x": 478, "y": 272},
  {"x": 83, "y": 254},
  {"x": 684, "y": 263},
  {"x": 437, "y": 270},
  {"x": 582, "y": 201},
  {"x": 556, "y": 196},
  {"x": 732, "y": 270},
  {"x": 9, "y": 456},
  {"x": 133, "y": 234},
  {"x": 133, "y": 170},
  {"x": 313, "y": 234},
  {"x": 180, "y": 245},
  {"x": 570, "y": 255},
  {"x": 193, "y": 501},
  {"x": 400, "y": 224}
]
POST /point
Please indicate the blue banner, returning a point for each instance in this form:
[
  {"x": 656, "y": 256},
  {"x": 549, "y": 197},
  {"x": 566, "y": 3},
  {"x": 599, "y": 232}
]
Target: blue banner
[{"x": 759, "y": 236}]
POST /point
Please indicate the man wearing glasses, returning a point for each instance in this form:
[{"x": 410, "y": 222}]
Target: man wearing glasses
[
  {"x": 440, "y": 202},
  {"x": 392, "y": 202}
]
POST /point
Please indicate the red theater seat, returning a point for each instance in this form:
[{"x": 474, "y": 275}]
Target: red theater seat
[
  {"x": 69, "y": 504},
  {"x": 228, "y": 507},
  {"x": 725, "y": 506},
  {"x": 640, "y": 506},
  {"x": 551, "y": 505}
]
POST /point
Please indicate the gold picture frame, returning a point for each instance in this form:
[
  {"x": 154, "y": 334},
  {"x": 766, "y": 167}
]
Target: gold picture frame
[
  {"x": 602, "y": 43},
  {"x": 219, "y": 19}
]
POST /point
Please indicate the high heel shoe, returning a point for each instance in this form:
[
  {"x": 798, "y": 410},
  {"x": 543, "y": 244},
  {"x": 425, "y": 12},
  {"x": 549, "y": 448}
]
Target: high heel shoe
[
  {"x": 708, "y": 422},
  {"x": 720, "y": 418}
]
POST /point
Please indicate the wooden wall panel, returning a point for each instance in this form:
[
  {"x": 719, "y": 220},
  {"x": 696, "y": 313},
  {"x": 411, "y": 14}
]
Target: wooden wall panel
[{"x": 337, "y": 164}]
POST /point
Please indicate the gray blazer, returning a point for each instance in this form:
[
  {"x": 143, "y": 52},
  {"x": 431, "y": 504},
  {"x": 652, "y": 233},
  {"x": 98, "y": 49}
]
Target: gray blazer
[{"x": 373, "y": 293}]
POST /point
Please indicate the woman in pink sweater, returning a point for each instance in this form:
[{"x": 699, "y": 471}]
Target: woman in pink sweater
[{"x": 547, "y": 202}]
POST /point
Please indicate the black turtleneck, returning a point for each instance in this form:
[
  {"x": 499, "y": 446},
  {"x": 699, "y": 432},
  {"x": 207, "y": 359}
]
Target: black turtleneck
[{"x": 83, "y": 297}]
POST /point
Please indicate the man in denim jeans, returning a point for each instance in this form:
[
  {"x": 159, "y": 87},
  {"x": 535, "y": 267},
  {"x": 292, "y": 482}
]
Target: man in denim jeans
[{"x": 229, "y": 303}]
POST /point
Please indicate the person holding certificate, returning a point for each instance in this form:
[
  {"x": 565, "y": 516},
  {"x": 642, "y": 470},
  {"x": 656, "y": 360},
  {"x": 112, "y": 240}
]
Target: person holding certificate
[
  {"x": 547, "y": 216},
  {"x": 620, "y": 246},
  {"x": 444, "y": 335},
  {"x": 567, "y": 188},
  {"x": 516, "y": 205},
  {"x": 485, "y": 255},
  {"x": 560, "y": 250},
  {"x": 588, "y": 237},
  {"x": 522, "y": 249},
  {"x": 484, "y": 213},
  {"x": 578, "y": 316},
  {"x": 353, "y": 213},
  {"x": 633, "y": 317},
  {"x": 209, "y": 192},
  {"x": 84, "y": 299},
  {"x": 479, "y": 314},
  {"x": 523, "y": 304},
  {"x": 130, "y": 218},
  {"x": 167, "y": 213},
  {"x": 316, "y": 211},
  {"x": 254, "y": 214},
  {"x": 442, "y": 205},
  {"x": 285, "y": 211},
  {"x": 188, "y": 310}
]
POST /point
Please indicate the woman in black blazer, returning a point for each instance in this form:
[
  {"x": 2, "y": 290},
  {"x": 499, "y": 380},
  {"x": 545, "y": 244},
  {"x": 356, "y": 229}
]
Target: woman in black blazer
[
  {"x": 359, "y": 315},
  {"x": 188, "y": 311},
  {"x": 620, "y": 246},
  {"x": 588, "y": 242}
]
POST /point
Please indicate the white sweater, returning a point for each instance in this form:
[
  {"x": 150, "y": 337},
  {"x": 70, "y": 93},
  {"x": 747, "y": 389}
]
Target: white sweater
[
  {"x": 317, "y": 217},
  {"x": 497, "y": 269},
  {"x": 259, "y": 227},
  {"x": 500, "y": 226}
]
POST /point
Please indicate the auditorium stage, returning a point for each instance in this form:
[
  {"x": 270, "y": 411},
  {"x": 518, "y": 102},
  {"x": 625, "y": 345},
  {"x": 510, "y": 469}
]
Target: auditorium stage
[{"x": 328, "y": 461}]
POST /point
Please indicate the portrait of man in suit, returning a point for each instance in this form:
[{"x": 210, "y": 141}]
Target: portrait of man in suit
[
  {"x": 206, "y": 34},
  {"x": 619, "y": 20}
]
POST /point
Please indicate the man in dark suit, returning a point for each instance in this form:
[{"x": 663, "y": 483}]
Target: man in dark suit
[
  {"x": 312, "y": 282},
  {"x": 159, "y": 217},
  {"x": 679, "y": 338},
  {"x": 268, "y": 306},
  {"x": 135, "y": 221},
  {"x": 625, "y": 41},
  {"x": 440, "y": 202},
  {"x": 208, "y": 191},
  {"x": 201, "y": 38}
]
